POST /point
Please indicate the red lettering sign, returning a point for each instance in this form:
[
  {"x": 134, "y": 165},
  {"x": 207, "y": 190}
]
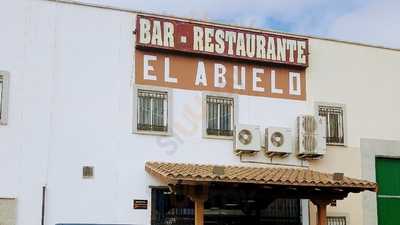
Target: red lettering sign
[{"x": 217, "y": 40}]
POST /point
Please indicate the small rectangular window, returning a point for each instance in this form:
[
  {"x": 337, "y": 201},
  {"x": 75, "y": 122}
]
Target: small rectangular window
[
  {"x": 3, "y": 97},
  {"x": 87, "y": 172},
  {"x": 220, "y": 115},
  {"x": 335, "y": 123},
  {"x": 152, "y": 110},
  {"x": 336, "y": 220}
]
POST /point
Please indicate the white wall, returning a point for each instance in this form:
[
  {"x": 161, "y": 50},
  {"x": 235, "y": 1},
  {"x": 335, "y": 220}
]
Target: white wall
[
  {"x": 71, "y": 71},
  {"x": 64, "y": 63},
  {"x": 26, "y": 42},
  {"x": 367, "y": 81},
  {"x": 72, "y": 76}
]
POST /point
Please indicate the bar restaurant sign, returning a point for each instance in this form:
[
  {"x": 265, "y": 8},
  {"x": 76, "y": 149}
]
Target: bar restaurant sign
[{"x": 192, "y": 55}]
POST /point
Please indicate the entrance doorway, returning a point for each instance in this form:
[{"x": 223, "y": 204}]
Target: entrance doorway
[
  {"x": 225, "y": 208},
  {"x": 388, "y": 198}
]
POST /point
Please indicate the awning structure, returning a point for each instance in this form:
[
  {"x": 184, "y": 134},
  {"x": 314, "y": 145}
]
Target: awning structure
[
  {"x": 195, "y": 180},
  {"x": 276, "y": 176}
]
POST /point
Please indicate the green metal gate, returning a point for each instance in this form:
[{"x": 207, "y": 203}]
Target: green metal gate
[{"x": 388, "y": 179}]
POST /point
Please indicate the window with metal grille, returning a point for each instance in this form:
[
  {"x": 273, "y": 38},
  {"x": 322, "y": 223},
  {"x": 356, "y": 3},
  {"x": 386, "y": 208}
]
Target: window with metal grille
[
  {"x": 335, "y": 123},
  {"x": 152, "y": 110},
  {"x": 220, "y": 115},
  {"x": 336, "y": 220},
  {"x": 88, "y": 172}
]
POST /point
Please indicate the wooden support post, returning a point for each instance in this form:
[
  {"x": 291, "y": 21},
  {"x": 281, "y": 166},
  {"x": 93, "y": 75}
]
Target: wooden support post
[
  {"x": 321, "y": 214},
  {"x": 321, "y": 210},
  {"x": 199, "y": 195},
  {"x": 198, "y": 211}
]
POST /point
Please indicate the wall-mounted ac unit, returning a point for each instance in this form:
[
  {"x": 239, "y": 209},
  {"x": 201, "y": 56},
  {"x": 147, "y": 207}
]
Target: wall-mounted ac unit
[
  {"x": 247, "y": 139},
  {"x": 278, "y": 141},
  {"x": 312, "y": 136}
]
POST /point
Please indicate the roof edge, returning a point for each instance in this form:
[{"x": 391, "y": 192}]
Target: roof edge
[
  {"x": 108, "y": 7},
  {"x": 154, "y": 168}
]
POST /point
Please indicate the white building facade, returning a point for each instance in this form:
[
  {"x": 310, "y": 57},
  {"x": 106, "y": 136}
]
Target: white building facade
[{"x": 70, "y": 100}]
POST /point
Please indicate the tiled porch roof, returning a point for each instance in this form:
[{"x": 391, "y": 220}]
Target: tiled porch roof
[{"x": 178, "y": 172}]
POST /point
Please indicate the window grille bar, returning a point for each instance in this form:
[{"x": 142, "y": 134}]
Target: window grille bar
[
  {"x": 336, "y": 220},
  {"x": 152, "y": 94},
  {"x": 1, "y": 94},
  {"x": 215, "y": 115}
]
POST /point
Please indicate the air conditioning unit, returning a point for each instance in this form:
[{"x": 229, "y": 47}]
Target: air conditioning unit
[
  {"x": 278, "y": 141},
  {"x": 247, "y": 139},
  {"x": 312, "y": 136}
]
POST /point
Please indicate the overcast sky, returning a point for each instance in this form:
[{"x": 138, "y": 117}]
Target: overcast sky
[{"x": 368, "y": 21}]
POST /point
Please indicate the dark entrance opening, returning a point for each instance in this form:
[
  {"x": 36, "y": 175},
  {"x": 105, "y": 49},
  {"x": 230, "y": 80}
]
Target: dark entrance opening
[{"x": 225, "y": 207}]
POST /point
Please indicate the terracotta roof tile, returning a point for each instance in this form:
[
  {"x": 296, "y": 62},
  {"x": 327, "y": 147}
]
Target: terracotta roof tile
[{"x": 255, "y": 175}]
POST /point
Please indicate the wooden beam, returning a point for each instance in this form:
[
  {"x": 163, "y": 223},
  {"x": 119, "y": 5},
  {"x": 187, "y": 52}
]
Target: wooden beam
[{"x": 287, "y": 192}]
